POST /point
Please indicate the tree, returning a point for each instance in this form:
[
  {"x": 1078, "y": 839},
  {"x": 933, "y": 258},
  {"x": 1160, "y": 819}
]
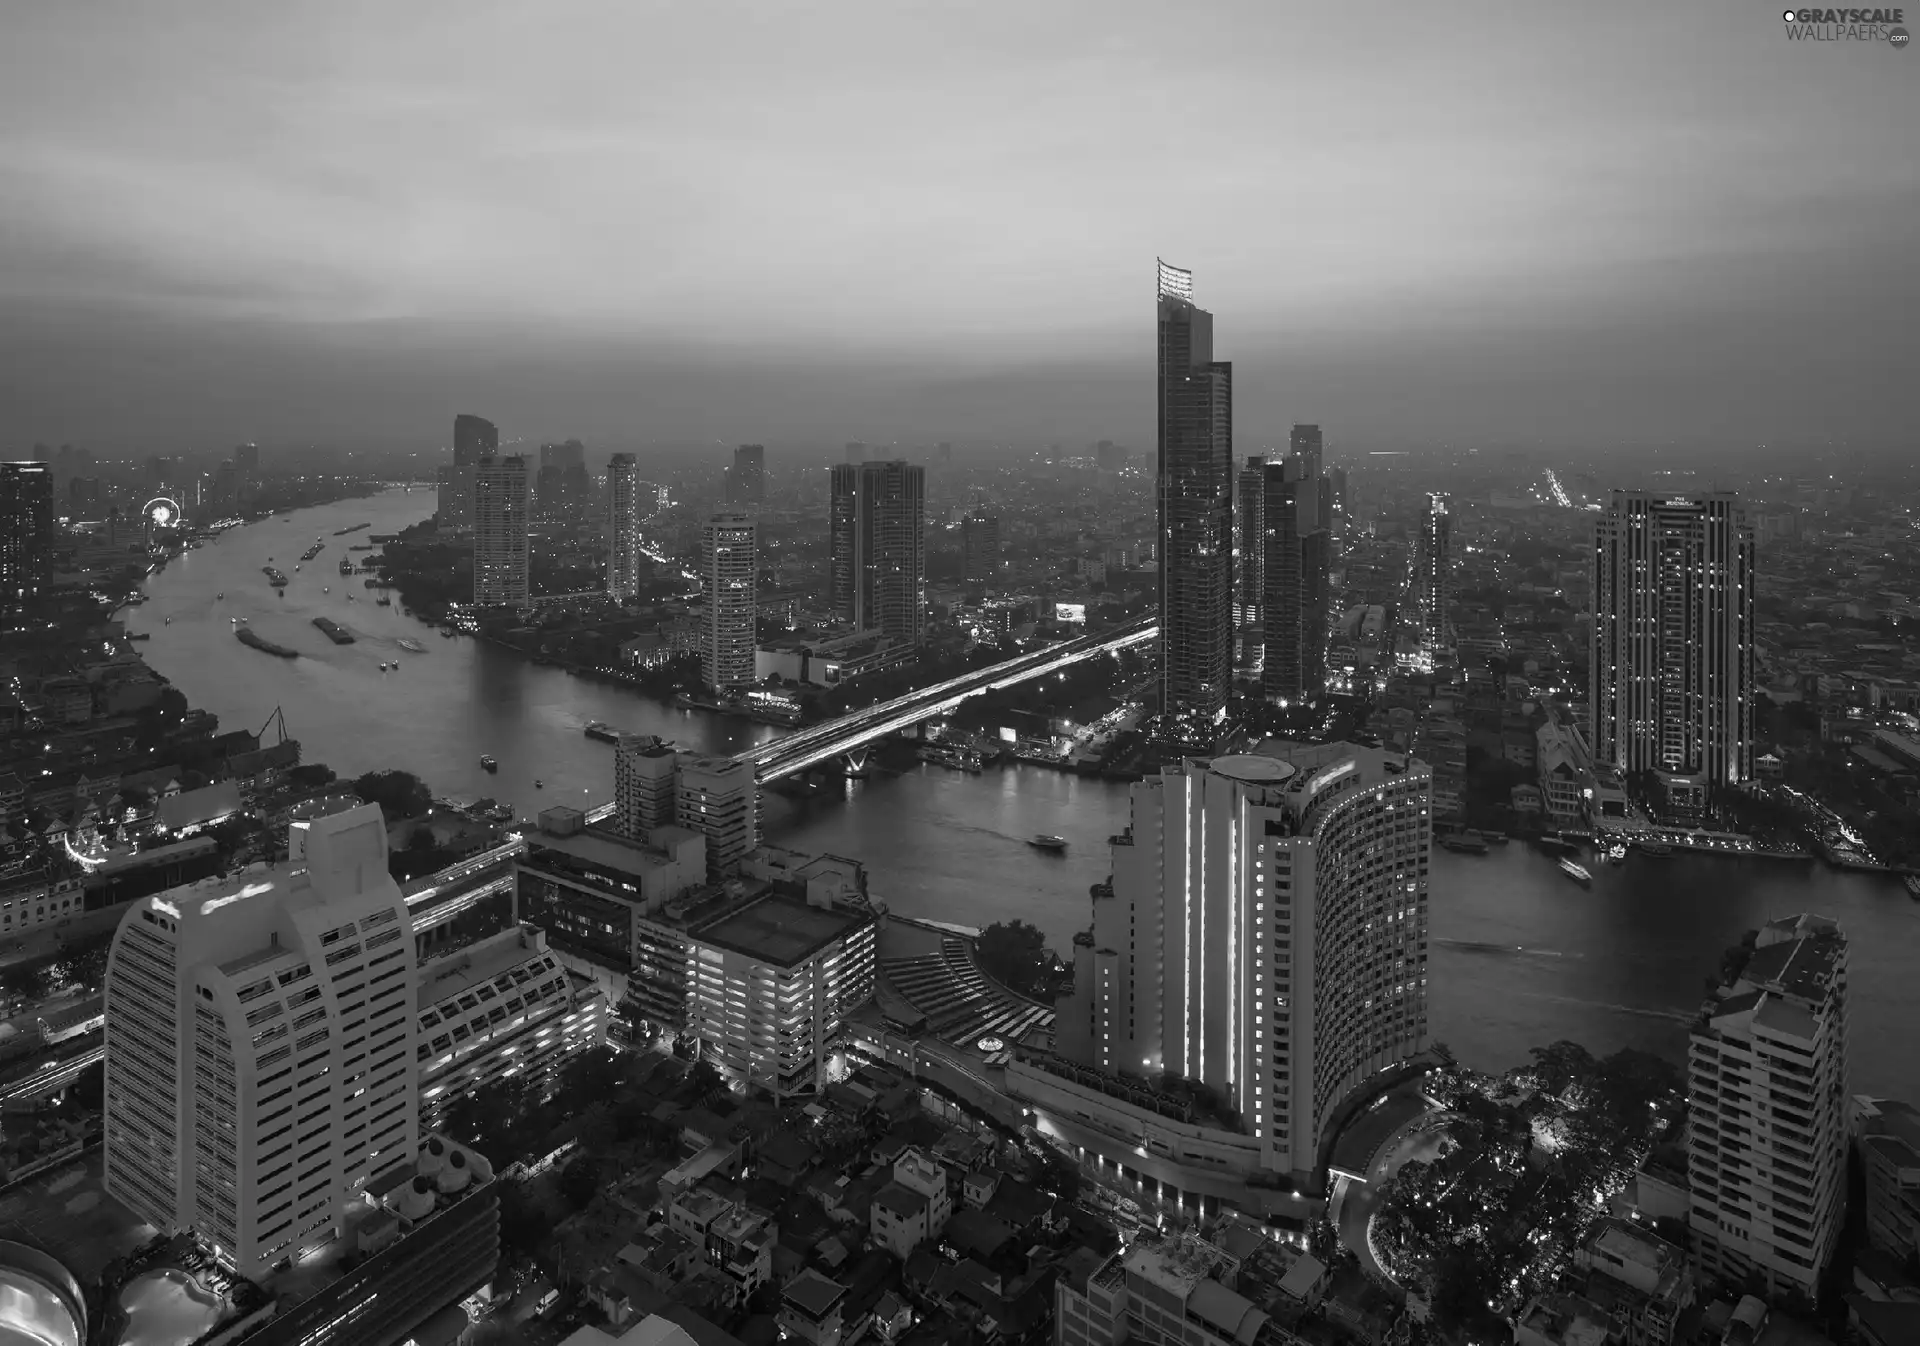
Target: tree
[
  {"x": 580, "y": 1181},
  {"x": 705, "y": 1077},
  {"x": 312, "y": 775},
  {"x": 1013, "y": 953},
  {"x": 400, "y": 794},
  {"x": 1563, "y": 1064}
]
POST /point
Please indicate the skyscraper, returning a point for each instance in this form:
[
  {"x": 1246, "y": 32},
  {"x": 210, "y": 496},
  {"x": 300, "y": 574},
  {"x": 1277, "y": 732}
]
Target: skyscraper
[
  {"x": 729, "y": 573},
  {"x": 645, "y": 770},
  {"x": 1250, "y": 548},
  {"x": 623, "y": 527},
  {"x": 26, "y": 530},
  {"x": 878, "y": 544},
  {"x": 1672, "y": 658},
  {"x": 1266, "y": 936},
  {"x": 502, "y": 517},
  {"x": 474, "y": 438},
  {"x": 747, "y": 480},
  {"x": 1433, "y": 568},
  {"x": 1195, "y": 487},
  {"x": 980, "y": 547},
  {"x": 260, "y": 1063},
  {"x": 1766, "y": 1096},
  {"x": 1296, "y": 576}
]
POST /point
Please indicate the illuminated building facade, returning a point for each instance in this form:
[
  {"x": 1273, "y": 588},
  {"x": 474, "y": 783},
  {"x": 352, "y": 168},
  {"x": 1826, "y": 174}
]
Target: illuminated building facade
[
  {"x": 730, "y": 574},
  {"x": 1766, "y": 1105},
  {"x": 504, "y": 1007},
  {"x": 877, "y": 541},
  {"x": 259, "y": 1045},
  {"x": 1266, "y": 936},
  {"x": 1195, "y": 490},
  {"x": 502, "y": 532},
  {"x": 623, "y": 527},
  {"x": 26, "y": 529},
  {"x": 1250, "y": 547},
  {"x": 1672, "y": 657},
  {"x": 1433, "y": 568}
]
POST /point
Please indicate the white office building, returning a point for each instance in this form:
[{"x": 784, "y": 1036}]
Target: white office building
[
  {"x": 1766, "y": 1096},
  {"x": 502, "y": 517},
  {"x": 729, "y": 572},
  {"x": 1266, "y": 935},
  {"x": 260, "y": 1059}
]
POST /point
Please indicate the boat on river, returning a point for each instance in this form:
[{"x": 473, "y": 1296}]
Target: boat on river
[
  {"x": 338, "y": 634},
  {"x": 489, "y": 763},
  {"x": 1578, "y": 873},
  {"x": 1464, "y": 843},
  {"x": 251, "y": 638},
  {"x": 1047, "y": 842},
  {"x": 602, "y": 732},
  {"x": 1912, "y": 882},
  {"x": 410, "y": 645}
]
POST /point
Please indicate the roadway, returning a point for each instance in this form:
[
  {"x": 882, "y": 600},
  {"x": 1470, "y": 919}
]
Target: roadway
[
  {"x": 809, "y": 747},
  {"x": 44, "y": 1076}
]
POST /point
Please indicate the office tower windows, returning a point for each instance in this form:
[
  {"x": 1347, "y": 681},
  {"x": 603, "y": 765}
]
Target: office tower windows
[
  {"x": 747, "y": 479},
  {"x": 1306, "y": 441},
  {"x": 1297, "y": 583},
  {"x": 729, "y": 573},
  {"x": 1672, "y": 657},
  {"x": 623, "y": 528},
  {"x": 260, "y": 1063},
  {"x": 878, "y": 542},
  {"x": 26, "y": 530},
  {"x": 1433, "y": 565},
  {"x": 980, "y": 548},
  {"x": 1267, "y": 935},
  {"x": 1195, "y": 487},
  {"x": 1766, "y": 1100},
  {"x": 474, "y": 438},
  {"x": 502, "y": 518},
  {"x": 1250, "y": 546}
]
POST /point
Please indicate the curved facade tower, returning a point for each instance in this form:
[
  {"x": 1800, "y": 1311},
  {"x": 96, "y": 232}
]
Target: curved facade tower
[{"x": 1266, "y": 935}]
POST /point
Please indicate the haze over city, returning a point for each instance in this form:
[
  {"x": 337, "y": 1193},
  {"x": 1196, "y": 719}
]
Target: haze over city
[{"x": 657, "y": 224}]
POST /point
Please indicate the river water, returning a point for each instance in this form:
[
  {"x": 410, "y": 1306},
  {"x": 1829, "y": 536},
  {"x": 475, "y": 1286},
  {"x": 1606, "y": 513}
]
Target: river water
[{"x": 1520, "y": 954}]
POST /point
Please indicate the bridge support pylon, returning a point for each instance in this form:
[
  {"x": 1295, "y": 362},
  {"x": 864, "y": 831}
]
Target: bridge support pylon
[{"x": 855, "y": 762}]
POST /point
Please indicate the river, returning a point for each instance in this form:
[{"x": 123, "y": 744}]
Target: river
[{"x": 1520, "y": 955}]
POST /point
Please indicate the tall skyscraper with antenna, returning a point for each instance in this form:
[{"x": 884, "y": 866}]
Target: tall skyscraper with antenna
[{"x": 1195, "y": 496}]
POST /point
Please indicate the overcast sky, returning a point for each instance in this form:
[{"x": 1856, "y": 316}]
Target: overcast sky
[{"x": 807, "y": 221}]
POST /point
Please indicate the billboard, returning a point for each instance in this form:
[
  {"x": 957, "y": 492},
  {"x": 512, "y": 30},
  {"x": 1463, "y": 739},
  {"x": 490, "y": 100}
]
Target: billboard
[{"x": 1070, "y": 612}]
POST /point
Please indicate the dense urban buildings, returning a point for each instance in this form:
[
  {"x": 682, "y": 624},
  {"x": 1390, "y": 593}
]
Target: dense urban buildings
[
  {"x": 747, "y": 478},
  {"x": 979, "y": 548},
  {"x": 502, "y": 523},
  {"x": 729, "y": 576},
  {"x": 1766, "y": 1095},
  {"x": 878, "y": 544},
  {"x": 26, "y": 530},
  {"x": 260, "y": 1046},
  {"x": 624, "y": 511},
  {"x": 474, "y": 438},
  {"x": 1673, "y": 641},
  {"x": 1195, "y": 486},
  {"x": 1266, "y": 936}
]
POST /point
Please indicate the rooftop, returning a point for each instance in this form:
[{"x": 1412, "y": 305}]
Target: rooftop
[
  {"x": 779, "y": 930},
  {"x": 610, "y": 850},
  {"x": 444, "y": 978}
]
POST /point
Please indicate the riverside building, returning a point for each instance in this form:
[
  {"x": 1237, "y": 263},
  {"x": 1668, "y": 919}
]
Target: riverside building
[
  {"x": 1766, "y": 1104},
  {"x": 1265, "y": 934},
  {"x": 502, "y": 522},
  {"x": 730, "y": 572},
  {"x": 260, "y": 1063}
]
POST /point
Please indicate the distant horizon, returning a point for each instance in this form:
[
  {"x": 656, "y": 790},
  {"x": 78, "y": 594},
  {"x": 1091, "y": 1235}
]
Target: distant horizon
[{"x": 294, "y": 224}]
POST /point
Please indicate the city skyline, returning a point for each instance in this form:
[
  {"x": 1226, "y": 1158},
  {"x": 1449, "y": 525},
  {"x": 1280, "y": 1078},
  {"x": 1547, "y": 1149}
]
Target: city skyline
[{"x": 358, "y": 234}]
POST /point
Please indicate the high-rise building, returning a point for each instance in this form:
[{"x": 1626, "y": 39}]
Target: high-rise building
[
  {"x": 645, "y": 772},
  {"x": 1266, "y": 936},
  {"x": 1250, "y": 541},
  {"x": 730, "y": 573},
  {"x": 1296, "y": 578},
  {"x": 747, "y": 479},
  {"x": 502, "y": 523},
  {"x": 623, "y": 528},
  {"x": 474, "y": 438},
  {"x": 878, "y": 543},
  {"x": 1766, "y": 1103},
  {"x": 1433, "y": 569},
  {"x": 980, "y": 547},
  {"x": 1672, "y": 657},
  {"x": 453, "y": 497},
  {"x": 719, "y": 797},
  {"x": 1195, "y": 487},
  {"x": 26, "y": 530},
  {"x": 260, "y": 1064}
]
